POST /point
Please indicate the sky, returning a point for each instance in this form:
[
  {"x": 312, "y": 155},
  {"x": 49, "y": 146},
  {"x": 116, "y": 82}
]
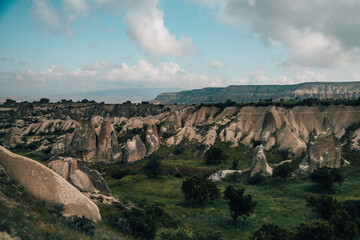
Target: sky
[{"x": 65, "y": 46}]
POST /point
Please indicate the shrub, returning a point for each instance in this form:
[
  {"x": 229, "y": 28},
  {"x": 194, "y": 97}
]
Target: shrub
[
  {"x": 324, "y": 206},
  {"x": 140, "y": 224},
  {"x": 232, "y": 177},
  {"x": 325, "y": 177},
  {"x": 58, "y": 209},
  {"x": 271, "y": 232},
  {"x": 239, "y": 204},
  {"x": 256, "y": 179},
  {"x": 153, "y": 167},
  {"x": 81, "y": 224},
  {"x": 178, "y": 235},
  {"x": 284, "y": 171},
  {"x": 343, "y": 225},
  {"x": 207, "y": 235},
  {"x": 118, "y": 174},
  {"x": 318, "y": 230},
  {"x": 179, "y": 150},
  {"x": 215, "y": 156},
  {"x": 199, "y": 188},
  {"x": 235, "y": 164}
]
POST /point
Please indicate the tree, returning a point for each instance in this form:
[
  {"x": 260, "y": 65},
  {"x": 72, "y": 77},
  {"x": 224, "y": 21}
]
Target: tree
[
  {"x": 344, "y": 227},
  {"x": 215, "y": 156},
  {"x": 325, "y": 177},
  {"x": 318, "y": 230},
  {"x": 284, "y": 171},
  {"x": 239, "y": 204},
  {"x": 271, "y": 231},
  {"x": 199, "y": 188},
  {"x": 324, "y": 206},
  {"x": 153, "y": 167}
]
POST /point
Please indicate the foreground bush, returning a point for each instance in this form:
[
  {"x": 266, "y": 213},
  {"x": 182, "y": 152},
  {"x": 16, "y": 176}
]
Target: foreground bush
[
  {"x": 239, "y": 204},
  {"x": 82, "y": 224},
  {"x": 199, "y": 188},
  {"x": 325, "y": 177},
  {"x": 271, "y": 232}
]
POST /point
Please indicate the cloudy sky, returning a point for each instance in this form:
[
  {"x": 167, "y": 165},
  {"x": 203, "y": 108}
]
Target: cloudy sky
[{"x": 63, "y": 46}]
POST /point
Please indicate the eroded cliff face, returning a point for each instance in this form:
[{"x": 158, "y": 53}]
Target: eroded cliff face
[
  {"x": 314, "y": 131},
  {"x": 253, "y": 93}
]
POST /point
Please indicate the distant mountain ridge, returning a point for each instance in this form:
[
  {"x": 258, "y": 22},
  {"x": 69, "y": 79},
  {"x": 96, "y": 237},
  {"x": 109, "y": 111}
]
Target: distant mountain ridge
[{"x": 250, "y": 93}]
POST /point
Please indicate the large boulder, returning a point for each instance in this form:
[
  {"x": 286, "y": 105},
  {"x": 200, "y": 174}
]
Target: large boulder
[
  {"x": 47, "y": 185},
  {"x": 77, "y": 173},
  {"x": 134, "y": 150},
  {"x": 259, "y": 164}
]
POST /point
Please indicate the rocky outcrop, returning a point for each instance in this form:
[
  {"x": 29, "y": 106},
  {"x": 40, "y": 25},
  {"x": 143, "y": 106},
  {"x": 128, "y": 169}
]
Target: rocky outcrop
[
  {"x": 12, "y": 138},
  {"x": 324, "y": 149},
  {"x": 152, "y": 141},
  {"x": 50, "y": 126},
  {"x": 134, "y": 150},
  {"x": 218, "y": 176},
  {"x": 47, "y": 185},
  {"x": 107, "y": 146},
  {"x": 77, "y": 173},
  {"x": 259, "y": 163}
]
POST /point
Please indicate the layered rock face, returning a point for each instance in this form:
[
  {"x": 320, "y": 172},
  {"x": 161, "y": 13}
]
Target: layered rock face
[
  {"x": 259, "y": 164},
  {"x": 252, "y": 93},
  {"x": 47, "y": 185}
]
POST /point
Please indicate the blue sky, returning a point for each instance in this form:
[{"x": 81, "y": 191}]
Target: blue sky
[{"x": 86, "y": 45}]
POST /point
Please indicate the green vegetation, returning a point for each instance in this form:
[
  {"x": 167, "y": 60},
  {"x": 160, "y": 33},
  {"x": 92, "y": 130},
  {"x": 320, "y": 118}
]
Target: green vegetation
[
  {"x": 325, "y": 177},
  {"x": 239, "y": 204},
  {"x": 199, "y": 188},
  {"x": 282, "y": 204},
  {"x": 25, "y": 217},
  {"x": 284, "y": 171},
  {"x": 215, "y": 155}
]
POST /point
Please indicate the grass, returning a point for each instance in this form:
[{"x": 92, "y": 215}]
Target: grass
[{"x": 278, "y": 202}]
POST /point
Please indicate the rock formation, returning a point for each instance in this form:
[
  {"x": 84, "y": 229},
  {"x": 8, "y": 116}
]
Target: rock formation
[
  {"x": 12, "y": 138},
  {"x": 323, "y": 149},
  {"x": 77, "y": 173},
  {"x": 259, "y": 164},
  {"x": 47, "y": 185},
  {"x": 152, "y": 141},
  {"x": 134, "y": 150}
]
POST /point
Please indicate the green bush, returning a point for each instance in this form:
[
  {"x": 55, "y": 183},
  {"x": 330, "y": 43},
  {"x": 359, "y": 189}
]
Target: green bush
[
  {"x": 81, "y": 224},
  {"x": 256, "y": 179},
  {"x": 271, "y": 232},
  {"x": 153, "y": 167},
  {"x": 318, "y": 230},
  {"x": 325, "y": 177},
  {"x": 284, "y": 171},
  {"x": 120, "y": 173},
  {"x": 324, "y": 206},
  {"x": 215, "y": 156},
  {"x": 199, "y": 188},
  {"x": 239, "y": 204},
  {"x": 58, "y": 209},
  {"x": 207, "y": 235}
]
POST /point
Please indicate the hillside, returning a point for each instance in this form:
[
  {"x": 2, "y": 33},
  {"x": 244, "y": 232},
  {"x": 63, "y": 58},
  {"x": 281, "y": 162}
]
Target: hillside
[
  {"x": 105, "y": 150},
  {"x": 251, "y": 93}
]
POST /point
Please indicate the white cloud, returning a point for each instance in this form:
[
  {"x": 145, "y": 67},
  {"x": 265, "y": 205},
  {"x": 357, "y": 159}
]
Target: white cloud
[
  {"x": 356, "y": 77},
  {"x": 148, "y": 31},
  {"x": 309, "y": 76},
  {"x": 217, "y": 65},
  {"x": 318, "y": 33},
  {"x": 145, "y": 22},
  {"x": 99, "y": 65}
]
